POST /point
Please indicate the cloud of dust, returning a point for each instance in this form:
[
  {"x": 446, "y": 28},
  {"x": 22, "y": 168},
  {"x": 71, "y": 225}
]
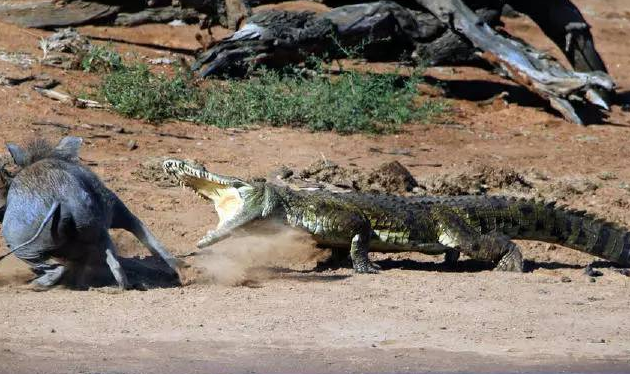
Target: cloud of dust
[
  {"x": 14, "y": 271},
  {"x": 248, "y": 259}
]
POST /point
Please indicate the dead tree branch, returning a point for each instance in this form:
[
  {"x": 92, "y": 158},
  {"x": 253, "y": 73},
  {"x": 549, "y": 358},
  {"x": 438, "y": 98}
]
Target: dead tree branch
[{"x": 447, "y": 32}]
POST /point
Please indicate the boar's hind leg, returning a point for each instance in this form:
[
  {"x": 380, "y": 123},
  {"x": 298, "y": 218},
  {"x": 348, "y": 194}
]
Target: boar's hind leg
[
  {"x": 114, "y": 265},
  {"x": 124, "y": 219},
  {"x": 49, "y": 274}
]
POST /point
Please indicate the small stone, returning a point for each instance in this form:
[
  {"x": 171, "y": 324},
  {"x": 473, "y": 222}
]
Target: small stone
[
  {"x": 160, "y": 61},
  {"x": 592, "y": 280},
  {"x": 46, "y": 83},
  {"x": 606, "y": 175},
  {"x": 597, "y": 341},
  {"x": 565, "y": 279},
  {"x": 132, "y": 144},
  {"x": 284, "y": 172},
  {"x": 53, "y": 331},
  {"x": 586, "y": 138}
]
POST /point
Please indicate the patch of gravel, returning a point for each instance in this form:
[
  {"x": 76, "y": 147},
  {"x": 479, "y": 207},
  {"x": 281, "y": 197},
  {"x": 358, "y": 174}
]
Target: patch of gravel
[
  {"x": 476, "y": 181},
  {"x": 567, "y": 187},
  {"x": 391, "y": 177},
  {"x": 151, "y": 171}
]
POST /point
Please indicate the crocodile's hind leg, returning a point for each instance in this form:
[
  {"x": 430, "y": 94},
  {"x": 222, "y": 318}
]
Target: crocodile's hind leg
[
  {"x": 359, "y": 252},
  {"x": 456, "y": 233},
  {"x": 496, "y": 248},
  {"x": 49, "y": 272}
]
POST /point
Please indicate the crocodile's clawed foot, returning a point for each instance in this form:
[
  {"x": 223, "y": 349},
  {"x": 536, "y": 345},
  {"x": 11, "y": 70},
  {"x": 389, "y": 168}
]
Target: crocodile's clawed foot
[
  {"x": 511, "y": 261},
  {"x": 367, "y": 268}
]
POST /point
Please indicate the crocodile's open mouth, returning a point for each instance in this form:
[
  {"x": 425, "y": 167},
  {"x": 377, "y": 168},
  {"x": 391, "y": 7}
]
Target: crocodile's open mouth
[{"x": 223, "y": 191}]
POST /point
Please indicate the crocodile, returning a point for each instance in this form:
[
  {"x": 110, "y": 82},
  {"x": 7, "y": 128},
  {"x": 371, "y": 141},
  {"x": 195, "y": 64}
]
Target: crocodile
[{"x": 482, "y": 227}]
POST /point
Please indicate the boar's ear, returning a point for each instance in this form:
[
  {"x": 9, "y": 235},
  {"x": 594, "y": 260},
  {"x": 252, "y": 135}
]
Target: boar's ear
[
  {"x": 18, "y": 154},
  {"x": 70, "y": 146}
]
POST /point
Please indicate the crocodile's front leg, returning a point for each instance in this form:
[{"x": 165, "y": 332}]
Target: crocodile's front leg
[
  {"x": 335, "y": 222},
  {"x": 455, "y": 232},
  {"x": 226, "y": 229}
]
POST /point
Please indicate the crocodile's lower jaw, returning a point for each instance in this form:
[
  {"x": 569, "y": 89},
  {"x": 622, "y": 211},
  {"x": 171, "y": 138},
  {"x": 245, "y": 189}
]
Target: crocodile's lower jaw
[{"x": 218, "y": 189}]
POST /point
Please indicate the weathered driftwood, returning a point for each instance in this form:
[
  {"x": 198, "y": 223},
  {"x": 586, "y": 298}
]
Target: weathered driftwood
[
  {"x": 157, "y": 15},
  {"x": 523, "y": 64},
  {"x": 563, "y": 23},
  {"x": 437, "y": 31},
  {"x": 67, "y": 99},
  {"x": 377, "y": 31},
  {"x": 447, "y": 32},
  {"x": 49, "y": 15}
]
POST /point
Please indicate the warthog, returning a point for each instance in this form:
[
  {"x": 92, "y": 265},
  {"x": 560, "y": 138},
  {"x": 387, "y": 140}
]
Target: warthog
[{"x": 58, "y": 214}]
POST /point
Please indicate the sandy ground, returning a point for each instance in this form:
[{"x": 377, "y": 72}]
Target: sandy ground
[{"x": 416, "y": 316}]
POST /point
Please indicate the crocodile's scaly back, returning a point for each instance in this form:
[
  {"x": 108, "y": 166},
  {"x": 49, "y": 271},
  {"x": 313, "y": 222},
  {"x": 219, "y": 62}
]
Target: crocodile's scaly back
[{"x": 535, "y": 220}]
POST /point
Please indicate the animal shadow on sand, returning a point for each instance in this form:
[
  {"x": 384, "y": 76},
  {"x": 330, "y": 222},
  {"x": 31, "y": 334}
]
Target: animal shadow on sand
[
  {"x": 312, "y": 275},
  {"x": 143, "y": 273},
  {"x": 485, "y": 92},
  {"x": 467, "y": 265},
  {"x": 474, "y": 266}
]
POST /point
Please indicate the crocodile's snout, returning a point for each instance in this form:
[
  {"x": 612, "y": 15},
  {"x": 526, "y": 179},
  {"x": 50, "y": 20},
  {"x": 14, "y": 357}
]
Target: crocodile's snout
[
  {"x": 224, "y": 191},
  {"x": 178, "y": 167}
]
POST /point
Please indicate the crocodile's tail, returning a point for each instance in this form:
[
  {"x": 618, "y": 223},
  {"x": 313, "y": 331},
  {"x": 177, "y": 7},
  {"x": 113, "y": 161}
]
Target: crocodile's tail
[
  {"x": 536, "y": 220},
  {"x": 571, "y": 228}
]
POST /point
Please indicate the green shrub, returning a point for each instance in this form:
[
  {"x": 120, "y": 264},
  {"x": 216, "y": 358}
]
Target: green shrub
[
  {"x": 101, "y": 59},
  {"x": 136, "y": 92},
  {"x": 347, "y": 103}
]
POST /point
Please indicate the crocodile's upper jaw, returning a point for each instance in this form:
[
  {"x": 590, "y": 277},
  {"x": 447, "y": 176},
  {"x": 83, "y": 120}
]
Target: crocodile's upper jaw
[{"x": 225, "y": 192}]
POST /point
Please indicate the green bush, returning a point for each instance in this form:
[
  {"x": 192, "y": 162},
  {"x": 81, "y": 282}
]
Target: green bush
[
  {"x": 136, "y": 92},
  {"x": 100, "y": 59},
  {"x": 347, "y": 103}
]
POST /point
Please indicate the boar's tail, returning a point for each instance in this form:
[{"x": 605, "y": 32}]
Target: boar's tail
[{"x": 49, "y": 216}]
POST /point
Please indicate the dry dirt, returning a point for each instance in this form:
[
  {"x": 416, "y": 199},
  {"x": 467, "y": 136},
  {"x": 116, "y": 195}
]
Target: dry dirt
[{"x": 259, "y": 307}]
